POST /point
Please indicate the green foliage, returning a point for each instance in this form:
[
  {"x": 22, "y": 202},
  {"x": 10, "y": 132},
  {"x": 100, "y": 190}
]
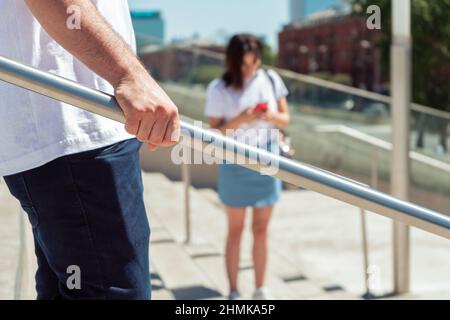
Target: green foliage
[
  {"x": 269, "y": 57},
  {"x": 431, "y": 48},
  {"x": 340, "y": 78},
  {"x": 204, "y": 74}
]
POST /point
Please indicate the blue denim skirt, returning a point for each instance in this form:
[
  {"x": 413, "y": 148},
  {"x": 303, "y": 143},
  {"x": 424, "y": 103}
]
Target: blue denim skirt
[{"x": 240, "y": 187}]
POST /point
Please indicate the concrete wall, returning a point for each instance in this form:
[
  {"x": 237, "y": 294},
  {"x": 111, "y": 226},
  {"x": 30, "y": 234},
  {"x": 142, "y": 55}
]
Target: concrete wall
[{"x": 202, "y": 176}]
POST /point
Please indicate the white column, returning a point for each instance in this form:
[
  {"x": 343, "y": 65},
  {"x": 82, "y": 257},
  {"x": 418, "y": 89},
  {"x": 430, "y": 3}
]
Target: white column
[{"x": 400, "y": 109}]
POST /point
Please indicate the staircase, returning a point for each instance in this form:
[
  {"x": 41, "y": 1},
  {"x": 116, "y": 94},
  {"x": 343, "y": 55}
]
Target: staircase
[
  {"x": 314, "y": 249},
  {"x": 196, "y": 270}
]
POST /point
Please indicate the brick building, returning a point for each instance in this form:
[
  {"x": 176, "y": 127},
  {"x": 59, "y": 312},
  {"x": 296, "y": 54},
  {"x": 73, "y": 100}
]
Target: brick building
[
  {"x": 333, "y": 43},
  {"x": 177, "y": 63}
]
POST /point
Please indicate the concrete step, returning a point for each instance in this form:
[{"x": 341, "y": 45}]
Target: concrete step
[
  {"x": 175, "y": 275},
  {"x": 211, "y": 262},
  {"x": 305, "y": 285},
  {"x": 279, "y": 289},
  {"x": 177, "y": 271},
  {"x": 215, "y": 234},
  {"x": 281, "y": 270},
  {"x": 211, "y": 195},
  {"x": 208, "y": 221},
  {"x": 289, "y": 275},
  {"x": 10, "y": 245},
  {"x": 165, "y": 200},
  {"x": 159, "y": 288}
]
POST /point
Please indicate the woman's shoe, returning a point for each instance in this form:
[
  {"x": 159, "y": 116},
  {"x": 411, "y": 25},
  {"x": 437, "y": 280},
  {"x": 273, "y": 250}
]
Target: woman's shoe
[
  {"x": 262, "y": 294},
  {"x": 234, "y": 295}
]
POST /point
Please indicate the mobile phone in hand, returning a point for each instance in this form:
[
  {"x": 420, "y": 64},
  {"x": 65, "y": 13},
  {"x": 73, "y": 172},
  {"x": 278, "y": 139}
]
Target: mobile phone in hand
[{"x": 261, "y": 107}]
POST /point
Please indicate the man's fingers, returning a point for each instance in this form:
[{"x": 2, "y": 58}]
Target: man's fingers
[
  {"x": 158, "y": 128},
  {"x": 173, "y": 131},
  {"x": 152, "y": 147},
  {"x": 145, "y": 129},
  {"x": 158, "y": 131},
  {"x": 132, "y": 126}
]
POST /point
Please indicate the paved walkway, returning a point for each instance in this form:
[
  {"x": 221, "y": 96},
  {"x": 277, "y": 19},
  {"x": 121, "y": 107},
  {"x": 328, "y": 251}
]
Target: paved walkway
[
  {"x": 197, "y": 270},
  {"x": 315, "y": 249},
  {"x": 9, "y": 243},
  {"x": 315, "y": 245}
]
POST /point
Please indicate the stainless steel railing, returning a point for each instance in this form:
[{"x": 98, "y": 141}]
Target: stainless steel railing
[
  {"x": 287, "y": 170},
  {"x": 379, "y": 144}
]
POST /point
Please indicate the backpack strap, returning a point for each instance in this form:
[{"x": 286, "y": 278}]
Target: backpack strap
[{"x": 272, "y": 82}]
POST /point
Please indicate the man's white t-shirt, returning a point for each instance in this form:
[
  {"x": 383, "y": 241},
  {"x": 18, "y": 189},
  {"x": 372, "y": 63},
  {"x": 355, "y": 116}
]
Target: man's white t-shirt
[
  {"x": 227, "y": 103},
  {"x": 35, "y": 130}
]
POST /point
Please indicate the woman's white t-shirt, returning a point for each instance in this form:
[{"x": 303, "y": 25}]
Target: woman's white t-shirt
[
  {"x": 227, "y": 103},
  {"x": 34, "y": 129}
]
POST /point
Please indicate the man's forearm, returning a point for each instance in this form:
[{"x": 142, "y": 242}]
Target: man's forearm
[
  {"x": 95, "y": 43},
  {"x": 150, "y": 114}
]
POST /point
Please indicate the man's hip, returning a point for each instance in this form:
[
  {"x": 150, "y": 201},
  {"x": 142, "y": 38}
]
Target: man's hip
[{"x": 87, "y": 212}]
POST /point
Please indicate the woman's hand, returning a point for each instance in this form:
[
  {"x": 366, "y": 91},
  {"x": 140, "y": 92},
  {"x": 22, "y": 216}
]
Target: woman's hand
[
  {"x": 279, "y": 118},
  {"x": 269, "y": 116},
  {"x": 249, "y": 115}
]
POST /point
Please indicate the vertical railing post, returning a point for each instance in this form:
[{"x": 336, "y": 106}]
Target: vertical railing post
[
  {"x": 186, "y": 173},
  {"x": 365, "y": 240},
  {"x": 400, "y": 109},
  {"x": 365, "y": 247}
]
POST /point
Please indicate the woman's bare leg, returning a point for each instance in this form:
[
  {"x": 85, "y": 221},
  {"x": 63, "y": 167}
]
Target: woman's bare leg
[
  {"x": 261, "y": 218},
  {"x": 236, "y": 218}
]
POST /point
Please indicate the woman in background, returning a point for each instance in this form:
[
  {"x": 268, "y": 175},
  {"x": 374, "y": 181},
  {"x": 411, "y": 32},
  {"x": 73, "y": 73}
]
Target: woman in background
[{"x": 247, "y": 104}]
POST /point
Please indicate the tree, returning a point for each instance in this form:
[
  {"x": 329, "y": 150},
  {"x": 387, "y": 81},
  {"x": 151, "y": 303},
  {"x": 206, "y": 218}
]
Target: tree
[
  {"x": 431, "y": 54},
  {"x": 204, "y": 74},
  {"x": 269, "y": 57}
]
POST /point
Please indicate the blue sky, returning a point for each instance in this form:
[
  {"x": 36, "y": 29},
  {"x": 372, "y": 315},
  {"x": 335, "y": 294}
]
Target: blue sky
[{"x": 205, "y": 17}]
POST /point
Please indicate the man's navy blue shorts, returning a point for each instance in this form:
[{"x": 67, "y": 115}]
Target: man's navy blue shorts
[{"x": 87, "y": 211}]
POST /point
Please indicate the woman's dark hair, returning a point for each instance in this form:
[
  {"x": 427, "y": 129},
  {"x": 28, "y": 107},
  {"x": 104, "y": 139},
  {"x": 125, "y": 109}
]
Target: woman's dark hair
[{"x": 238, "y": 46}]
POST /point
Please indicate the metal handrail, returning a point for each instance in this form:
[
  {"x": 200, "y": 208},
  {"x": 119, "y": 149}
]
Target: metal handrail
[
  {"x": 381, "y": 144},
  {"x": 293, "y": 172}
]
